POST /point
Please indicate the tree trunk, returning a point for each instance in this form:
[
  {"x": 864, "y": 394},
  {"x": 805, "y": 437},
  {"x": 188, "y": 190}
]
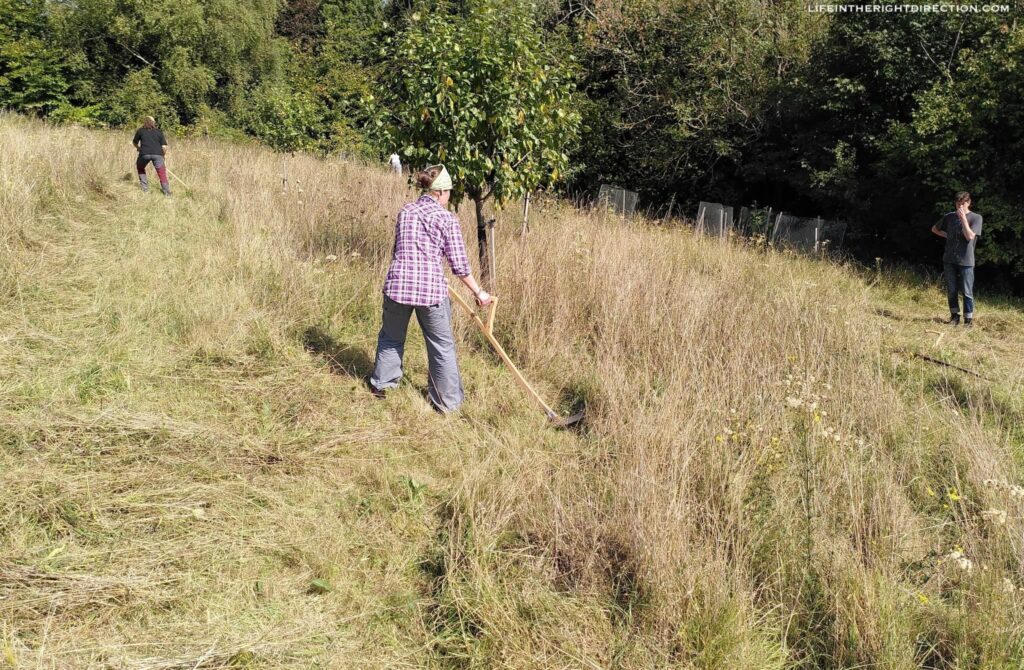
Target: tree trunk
[{"x": 481, "y": 240}]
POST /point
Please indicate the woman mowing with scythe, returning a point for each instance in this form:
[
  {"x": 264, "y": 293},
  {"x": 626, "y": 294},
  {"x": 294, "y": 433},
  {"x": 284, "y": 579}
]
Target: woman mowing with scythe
[{"x": 425, "y": 235}]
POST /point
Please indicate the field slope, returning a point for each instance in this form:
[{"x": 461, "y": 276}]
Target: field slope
[{"x": 192, "y": 474}]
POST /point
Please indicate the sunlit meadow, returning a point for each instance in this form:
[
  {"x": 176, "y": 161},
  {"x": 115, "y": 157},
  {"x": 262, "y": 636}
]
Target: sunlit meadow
[{"x": 192, "y": 474}]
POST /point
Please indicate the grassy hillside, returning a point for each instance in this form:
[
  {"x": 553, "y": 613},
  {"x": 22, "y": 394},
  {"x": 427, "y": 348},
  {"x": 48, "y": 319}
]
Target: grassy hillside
[{"x": 193, "y": 476}]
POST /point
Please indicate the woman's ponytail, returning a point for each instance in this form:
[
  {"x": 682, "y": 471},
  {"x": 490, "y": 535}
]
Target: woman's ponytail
[{"x": 425, "y": 178}]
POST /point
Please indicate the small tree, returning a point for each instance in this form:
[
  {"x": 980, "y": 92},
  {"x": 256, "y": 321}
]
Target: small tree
[{"x": 481, "y": 91}]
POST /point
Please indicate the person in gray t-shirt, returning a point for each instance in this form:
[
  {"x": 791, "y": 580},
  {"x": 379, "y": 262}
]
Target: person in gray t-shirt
[{"x": 961, "y": 229}]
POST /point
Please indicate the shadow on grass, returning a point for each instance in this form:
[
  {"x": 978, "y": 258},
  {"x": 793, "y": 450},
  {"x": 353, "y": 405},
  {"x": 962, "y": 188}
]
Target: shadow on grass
[
  {"x": 889, "y": 314},
  {"x": 343, "y": 359}
]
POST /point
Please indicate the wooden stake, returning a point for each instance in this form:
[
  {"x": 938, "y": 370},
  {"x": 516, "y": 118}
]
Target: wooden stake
[{"x": 526, "y": 216}]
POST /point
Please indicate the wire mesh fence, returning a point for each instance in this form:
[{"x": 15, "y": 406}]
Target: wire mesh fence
[
  {"x": 833, "y": 233},
  {"x": 621, "y": 201},
  {"x": 807, "y": 233},
  {"x": 714, "y": 219}
]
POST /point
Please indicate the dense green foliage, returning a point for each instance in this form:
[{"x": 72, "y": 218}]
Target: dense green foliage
[
  {"x": 875, "y": 118},
  {"x": 194, "y": 55},
  {"x": 680, "y": 91},
  {"x": 889, "y": 118},
  {"x": 970, "y": 134},
  {"x": 32, "y": 73}
]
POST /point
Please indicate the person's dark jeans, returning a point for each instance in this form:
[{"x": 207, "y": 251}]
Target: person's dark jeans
[{"x": 960, "y": 279}]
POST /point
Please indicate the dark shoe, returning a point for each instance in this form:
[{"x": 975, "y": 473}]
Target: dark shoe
[
  {"x": 968, "y": 322},
  {"x": 954, "y": 320},
  {"x": 377, "y": 393}
]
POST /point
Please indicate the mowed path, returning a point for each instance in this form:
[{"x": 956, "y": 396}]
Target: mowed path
[{"x": 192, "y": 475}]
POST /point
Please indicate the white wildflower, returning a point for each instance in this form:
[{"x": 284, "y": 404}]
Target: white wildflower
[
  {"x": 1008, "y": 586},
  {"x": 794, "y": 402},
  {"x": 996, "y": 516},
  {"x": 331, "y": 257},
  {"x": 961, "y": 561}
]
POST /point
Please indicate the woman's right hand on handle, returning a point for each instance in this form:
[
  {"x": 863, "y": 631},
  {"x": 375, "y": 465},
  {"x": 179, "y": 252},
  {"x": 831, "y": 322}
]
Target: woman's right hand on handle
[{"x": 482, "y": 297}]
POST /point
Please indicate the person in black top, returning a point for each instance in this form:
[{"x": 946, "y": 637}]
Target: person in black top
[{"x": 152, "y": 146}]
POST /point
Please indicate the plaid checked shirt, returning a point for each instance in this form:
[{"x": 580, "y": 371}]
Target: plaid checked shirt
[{"x": 426, "y": 232}]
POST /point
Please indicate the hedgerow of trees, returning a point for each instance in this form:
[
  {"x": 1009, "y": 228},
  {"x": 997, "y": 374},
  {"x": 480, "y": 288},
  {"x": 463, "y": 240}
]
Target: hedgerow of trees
[{"x": 876, "y": 118}]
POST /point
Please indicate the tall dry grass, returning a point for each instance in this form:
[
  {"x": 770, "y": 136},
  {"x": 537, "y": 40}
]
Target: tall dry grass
[{"x": 766, "y": 478}]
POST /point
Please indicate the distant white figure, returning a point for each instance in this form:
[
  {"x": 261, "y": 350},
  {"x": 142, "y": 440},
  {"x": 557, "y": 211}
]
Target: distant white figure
[{"x": 396, "y": 164}]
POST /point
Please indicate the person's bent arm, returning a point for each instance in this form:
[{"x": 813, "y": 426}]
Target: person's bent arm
[
  {"x": 455, "y": 252},
  {"x": 938, "y": 231},
  {"x": 965, "y": 225}
]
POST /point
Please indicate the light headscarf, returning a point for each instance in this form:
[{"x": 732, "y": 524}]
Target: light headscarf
[{"x": 443, "y": 180}]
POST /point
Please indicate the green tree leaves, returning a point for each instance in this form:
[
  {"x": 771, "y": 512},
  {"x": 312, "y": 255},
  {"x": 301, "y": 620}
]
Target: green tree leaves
[
  {"x": 967, "y": 134},
  {"x": 33, "y": 73},
  {"x": 285, "y": 120},
  {"x": 483, "y": 92},
  {"x": 139, "y": 95},
  {"x": 199, "y": 53},
  {"x": 680, "y": 91}
]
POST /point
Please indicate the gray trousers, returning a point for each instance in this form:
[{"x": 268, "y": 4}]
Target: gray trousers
[
  {"x": 444, "y": 386},
  {"x": 161, "y": 171}
]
